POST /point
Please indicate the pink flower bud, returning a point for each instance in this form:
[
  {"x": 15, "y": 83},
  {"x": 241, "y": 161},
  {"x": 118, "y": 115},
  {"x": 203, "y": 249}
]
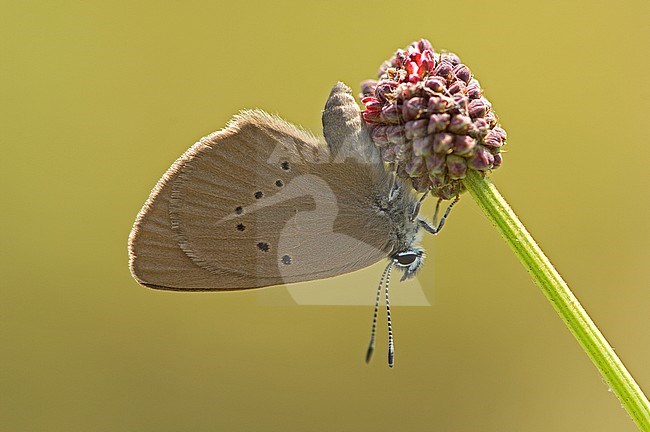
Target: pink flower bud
[
  {"x": 438, "y": 179},
  {"x": 443, "y": 143},
  {"x": 390, "y": 114},
  {"x": 416, "y": 128},
  {"x": 396, "y": 135},
  {"x": 456, "y": 86},
  {"x": 371, "y": 103},
  {"x": 422, "y": 145},
  {"x": 438, "y": 123},
  {"x": 437, "y": 84},
  {"x": 415, "y": 166},
  {"x": 368, "y": 87},
  {"x": 426, "y": 61},
  {"x": 498, "y": 160},
  {"x": 479, "y": 128},
  {"x": 408, "y": 90},
  {"x": 482, "y": 159},
  {"x": 438, "y": 104},
  {"x": 385, "y": 88},
  {"x": 424, "y": 45},
  {"x": 371, "y": 116},
  {"x": 459, "y": 124},
  {"x": 413, "y": 108},
  {"x": 412, "y": 68},
  {"x": 477, "y": 108},
  {"x": 451, "y": 58},
  {"x": 474, "y": 89},
  {"x": 388, "y": 154},
  {"x": 460, "y": 103},
  {"x": 463, "y": 73},
  {"x": 491, "y": 119},
  {"x": 456, "y": 167},
  {"x": 464, "y": 145},
  {"x": 378, "y": 135},
  {"x": 401, "y": 58},
  {"x": 502, "y": 133},
  {"x": 436, "y": 163},
  {"x": 493, "y": 139},
  {"x": 444, "y": 69},
  {"x": 421, "y": 184}
]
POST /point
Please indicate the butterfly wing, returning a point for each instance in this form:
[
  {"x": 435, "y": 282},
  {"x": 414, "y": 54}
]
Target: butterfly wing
[{"x": 260, "y": 203}]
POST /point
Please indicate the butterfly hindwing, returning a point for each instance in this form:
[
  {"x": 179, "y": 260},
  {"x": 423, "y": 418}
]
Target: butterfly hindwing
[{"x": 259, "y": 203}]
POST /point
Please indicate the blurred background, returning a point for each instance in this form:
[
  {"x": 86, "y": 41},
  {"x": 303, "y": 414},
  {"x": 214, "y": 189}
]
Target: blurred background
[{"x": 99, "y": 98}]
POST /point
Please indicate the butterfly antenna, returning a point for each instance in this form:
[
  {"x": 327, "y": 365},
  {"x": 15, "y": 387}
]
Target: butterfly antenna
[
  {"x": 391, "y": 346},
  {"x": 371, "y": 345}
]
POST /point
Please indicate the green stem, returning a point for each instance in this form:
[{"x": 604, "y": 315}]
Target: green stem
[{"x": 561, "y": 297}]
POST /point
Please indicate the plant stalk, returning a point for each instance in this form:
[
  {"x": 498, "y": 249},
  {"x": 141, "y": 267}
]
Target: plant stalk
[{"x": 558, "y": 293}]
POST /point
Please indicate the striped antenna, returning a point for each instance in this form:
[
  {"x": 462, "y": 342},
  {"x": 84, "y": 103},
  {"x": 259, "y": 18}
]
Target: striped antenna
[
  {"x": 391, "y": 346},
  {"x": 371, "y": 345}
]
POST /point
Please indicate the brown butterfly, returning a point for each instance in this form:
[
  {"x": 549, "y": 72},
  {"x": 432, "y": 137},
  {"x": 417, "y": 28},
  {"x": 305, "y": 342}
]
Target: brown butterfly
[{"x": 263, "y": 202}]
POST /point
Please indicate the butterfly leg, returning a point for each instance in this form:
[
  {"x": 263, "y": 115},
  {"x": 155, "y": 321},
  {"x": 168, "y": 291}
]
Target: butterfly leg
[
  {"x": 416, "y": 209},
  {"x": 393, "y": 184},
  {"x": 436, "y": 212},
  {"x": 433, "y": 229}
]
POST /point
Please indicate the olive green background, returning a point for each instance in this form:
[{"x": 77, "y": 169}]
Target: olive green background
[{"x": 99, "y": 98}]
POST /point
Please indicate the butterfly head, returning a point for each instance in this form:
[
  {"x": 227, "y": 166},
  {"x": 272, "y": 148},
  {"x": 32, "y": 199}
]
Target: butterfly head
[{"x": 409, "y": 261}]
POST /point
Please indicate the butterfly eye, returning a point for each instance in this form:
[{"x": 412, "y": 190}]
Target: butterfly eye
[{"x": 406, "y": 259}]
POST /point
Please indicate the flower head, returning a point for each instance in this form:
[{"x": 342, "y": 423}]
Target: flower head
[{"x": 428, "y": 117}]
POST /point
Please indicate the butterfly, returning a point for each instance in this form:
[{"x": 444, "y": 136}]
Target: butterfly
[{"x": 263, "y": 202}]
